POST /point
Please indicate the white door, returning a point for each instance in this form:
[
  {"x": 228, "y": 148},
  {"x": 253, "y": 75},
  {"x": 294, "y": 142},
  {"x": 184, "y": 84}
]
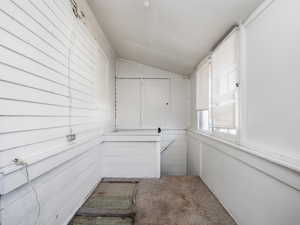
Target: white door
[
  {"x": 128, "y": 104},
  {"x": 155, "y": 107}
]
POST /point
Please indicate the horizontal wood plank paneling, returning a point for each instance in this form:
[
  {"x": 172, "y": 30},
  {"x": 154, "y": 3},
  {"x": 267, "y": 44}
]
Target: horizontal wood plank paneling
[
  {"x": 19, "y": 91},
  {"x": 44, "y": 148},
  {"x": 54, "y": 79},
  {"x": 80, "y": 179},
  {"x": 51, "y": 76},
  {"x": 18, "y": 75}
]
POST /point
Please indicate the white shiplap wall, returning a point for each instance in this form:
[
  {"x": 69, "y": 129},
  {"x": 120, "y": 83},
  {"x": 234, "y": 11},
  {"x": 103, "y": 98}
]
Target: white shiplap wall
[
  {"x": 41, "y": 99},
  {"x": 54, "y": 78}
]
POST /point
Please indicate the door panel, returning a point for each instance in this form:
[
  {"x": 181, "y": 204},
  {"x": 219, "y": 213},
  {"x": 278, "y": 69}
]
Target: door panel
[
  {"x": 128, "y": 104},
  {"x": 155, "y": 107}
]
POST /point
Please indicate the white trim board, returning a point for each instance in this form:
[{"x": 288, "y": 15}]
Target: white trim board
[{"x": 258, "y": 11}]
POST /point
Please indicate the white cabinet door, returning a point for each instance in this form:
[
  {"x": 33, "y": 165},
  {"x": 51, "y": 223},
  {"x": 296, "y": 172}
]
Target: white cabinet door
[
  {"x": 128, "y": 104},
  {"x": 155, "y": 103},
  {"x": 178, "y": 116}
]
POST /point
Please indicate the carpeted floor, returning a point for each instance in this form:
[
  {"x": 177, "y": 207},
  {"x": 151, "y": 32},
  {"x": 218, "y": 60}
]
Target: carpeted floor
[{"x": 178, "y": 201}]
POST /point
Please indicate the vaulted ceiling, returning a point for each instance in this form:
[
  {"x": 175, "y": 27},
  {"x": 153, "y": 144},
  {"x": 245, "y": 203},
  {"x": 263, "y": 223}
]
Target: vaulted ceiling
[{"x": 169, "y": 34}]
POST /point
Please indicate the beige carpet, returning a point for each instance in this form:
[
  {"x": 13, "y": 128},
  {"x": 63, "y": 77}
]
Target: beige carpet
[{"x": 178, "y": 201}]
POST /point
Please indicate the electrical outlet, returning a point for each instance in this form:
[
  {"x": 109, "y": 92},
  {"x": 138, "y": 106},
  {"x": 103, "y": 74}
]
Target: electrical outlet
[
  {"x": 71, "y": 137},
  {"x": 19, "y": 162}
]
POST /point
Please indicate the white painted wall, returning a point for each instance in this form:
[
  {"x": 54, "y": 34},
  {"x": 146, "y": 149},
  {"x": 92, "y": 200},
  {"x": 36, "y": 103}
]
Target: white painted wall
[
  {"x": 142, "y": 103},
  {"x": 63, "y": 174},
  {"x": 193, "y": 112},
  {"x": 128, "y": 115},
  {"x": 272, "y": 78},
  {"x": 193, "y": 156},
  {"x": 135, "y": 158},
  {"x": 253, "y": 190},
  {"x": 128, "y": 68},
  {"x": 175, "y": 121},
  {"x": 131, "y": 154},
  {"x": 174, "y": 158},
  {"x": 258, "y": 182},
  {"x": 174, "y": 90},
  {"x": 155, "y": 103}
]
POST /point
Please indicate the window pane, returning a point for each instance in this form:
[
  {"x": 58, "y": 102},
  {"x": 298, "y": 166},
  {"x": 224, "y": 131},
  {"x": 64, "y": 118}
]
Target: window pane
[{"x": 203, "y": 120}]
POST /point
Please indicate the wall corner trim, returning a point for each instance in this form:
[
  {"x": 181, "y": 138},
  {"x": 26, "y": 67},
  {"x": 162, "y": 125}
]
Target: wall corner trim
[{"x": 258, "y": 11}]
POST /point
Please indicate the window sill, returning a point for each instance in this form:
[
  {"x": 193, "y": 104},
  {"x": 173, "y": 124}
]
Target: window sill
[
  {"x": 287, "y": 161},
  {"x": 218, "y": 135}
]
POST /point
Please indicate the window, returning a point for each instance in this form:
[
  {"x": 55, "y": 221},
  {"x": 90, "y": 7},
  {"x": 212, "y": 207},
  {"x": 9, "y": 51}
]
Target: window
[
  {"x": 224, "y": 86},
  {"x": 217, "y": 89},
  {"x": 203, "y": 120},
  {"x": 202, "y": 96}
]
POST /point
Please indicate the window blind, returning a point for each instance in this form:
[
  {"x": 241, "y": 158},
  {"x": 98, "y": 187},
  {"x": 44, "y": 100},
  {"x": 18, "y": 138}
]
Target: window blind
[
  {"x": 224, "y": 80},
  {"x": 202, "y": 87}
]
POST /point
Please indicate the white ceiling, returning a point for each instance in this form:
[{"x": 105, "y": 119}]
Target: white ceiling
[{"x": 171, "y": 34}]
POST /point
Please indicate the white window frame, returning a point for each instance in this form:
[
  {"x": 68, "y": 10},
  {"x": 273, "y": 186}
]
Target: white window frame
[{"x": 199, "y": 127}]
